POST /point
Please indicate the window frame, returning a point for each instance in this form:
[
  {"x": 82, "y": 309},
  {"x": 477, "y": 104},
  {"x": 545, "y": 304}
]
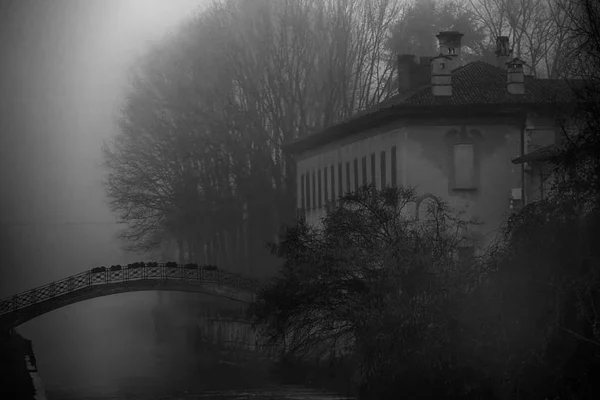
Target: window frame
[
  {"x": 383, "y": 166},
  {"x": 356, "y": 181},
  {"x": 319, "y": 190},
  {"x": 348, "y": 178},
  {"x": 460, "y": 137},
  {"x": 325, "y": 187},
  {"x": 333, "y": 199},
  {"x": 469, "y": 175},
  {"x": 340, "y": 179},
  {"x": 364, "y": 171},
  {"x": 314, "y": 190},
  {"x": 373, "y": 169},
  {"x": 302, "y": 191},
  {"x": 308, "y": 192},
  {"x": 394, "y": 166}
]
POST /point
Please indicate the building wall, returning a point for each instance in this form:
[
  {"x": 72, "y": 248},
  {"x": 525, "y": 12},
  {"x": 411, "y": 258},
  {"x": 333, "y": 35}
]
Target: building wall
[
  {"x": 540, "y": 131},
  {"x": 424, "y": 160}
]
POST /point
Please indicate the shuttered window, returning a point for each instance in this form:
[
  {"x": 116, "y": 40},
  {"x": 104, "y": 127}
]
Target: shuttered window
[
  {"x": 314, "y": 191},
  {"x": 319, "y": 190},
  {"x": 333, "y": 185},
  {"x": 356, "y": 174},
  {"x": 348, "y": 178},
  {"x": 308, "y": 192},
  {"x": 340, "y": 181},
  {"x": 383, "y": 170},
  {"x": 373, "y": 173},
  {"x": 302, "y": 191},
  {"x": 394, "y": 167},
  {"x": 325, "y": 186},
  {"x": 364, "y": 170},
  {"x": 464, "y": 166}
]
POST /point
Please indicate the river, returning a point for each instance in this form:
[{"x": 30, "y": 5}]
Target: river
[{"x": 102, "y": 351}]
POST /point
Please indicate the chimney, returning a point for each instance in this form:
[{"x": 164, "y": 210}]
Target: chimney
[
  {"x": 413, "y": 72},
  {"x": 407, "y": 66},
  {"x": 502, "y": 51},
  {"x": 515, "y": 83},
  {"x": 441, "y": 78},
  {"x": 450, "y": 46}
]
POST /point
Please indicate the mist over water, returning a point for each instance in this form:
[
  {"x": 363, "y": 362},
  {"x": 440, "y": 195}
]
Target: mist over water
[
  {"x": 65, "y": 65},
  {"x": 98, "y": 350},
  {"x": 103, "y": 349},
  {"x": 89, "y": 346}
]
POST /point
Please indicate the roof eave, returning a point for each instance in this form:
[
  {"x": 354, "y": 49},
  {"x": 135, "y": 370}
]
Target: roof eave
[
  {"x": 542, "y": 155},
  {"x": 393, "y": 113}
]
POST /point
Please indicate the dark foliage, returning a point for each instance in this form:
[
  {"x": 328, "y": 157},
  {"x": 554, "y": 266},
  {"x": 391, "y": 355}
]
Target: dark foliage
[{"x": 373, "y": 285}]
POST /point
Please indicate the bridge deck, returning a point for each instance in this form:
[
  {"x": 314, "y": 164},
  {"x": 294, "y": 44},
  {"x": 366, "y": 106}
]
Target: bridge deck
[{"x": 97, "y": 282}]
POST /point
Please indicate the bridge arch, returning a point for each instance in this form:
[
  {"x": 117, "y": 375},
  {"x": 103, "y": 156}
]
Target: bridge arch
[{"x": 100, "y": 282}]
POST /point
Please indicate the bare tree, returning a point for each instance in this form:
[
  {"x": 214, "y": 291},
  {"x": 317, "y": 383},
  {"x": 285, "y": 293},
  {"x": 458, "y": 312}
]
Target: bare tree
[
  {"x": 199, "y": 154},
  {"x": 537, "y": 29}
]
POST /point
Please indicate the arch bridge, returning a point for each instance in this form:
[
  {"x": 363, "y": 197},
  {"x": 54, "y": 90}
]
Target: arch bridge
[{"x": 102, "y": 281}]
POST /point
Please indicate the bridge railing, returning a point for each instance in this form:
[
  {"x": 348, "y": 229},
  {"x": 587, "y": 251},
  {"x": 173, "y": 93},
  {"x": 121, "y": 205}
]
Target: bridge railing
[{"x": 135, "y": 272}]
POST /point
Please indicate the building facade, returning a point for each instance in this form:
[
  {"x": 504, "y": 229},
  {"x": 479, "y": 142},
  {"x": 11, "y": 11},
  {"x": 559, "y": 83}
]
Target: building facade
[{"x": 460, "y": 132}]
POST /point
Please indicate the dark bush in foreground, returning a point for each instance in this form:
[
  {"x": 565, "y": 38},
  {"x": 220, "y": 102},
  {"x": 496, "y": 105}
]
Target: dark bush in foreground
[{"x": 373, "y": 285}]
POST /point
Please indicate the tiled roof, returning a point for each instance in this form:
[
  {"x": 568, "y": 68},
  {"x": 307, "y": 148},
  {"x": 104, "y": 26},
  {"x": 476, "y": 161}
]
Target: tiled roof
[
  {"x": 475, "y": 84},
  {"x": 482, "y": 83}
]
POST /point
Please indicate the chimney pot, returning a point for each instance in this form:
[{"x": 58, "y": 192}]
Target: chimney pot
[
  {"x": 515, "y": 83},
  {"x": 450, "y": 45},
  {"x": 407, "y": 66},
  {"x": 441, "y": 76},
  {"x": 502, "y": 51}
]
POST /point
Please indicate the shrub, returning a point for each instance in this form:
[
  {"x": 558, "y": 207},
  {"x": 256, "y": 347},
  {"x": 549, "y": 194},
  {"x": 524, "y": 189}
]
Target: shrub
[{"x": 372, "y": 283}]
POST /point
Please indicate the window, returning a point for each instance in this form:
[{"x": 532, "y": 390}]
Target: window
[
  {"x": 348, "y": 178},
  {"x": 383, "y": 168},
  {"x": 356, "y": 174},
  {"x": 308, "y": 203},
  {"x": 332, "y": 185},
  {"x": 364, "y": 170},
  {"x": 340, "y": 181},
  {"x": 314, "y": 191},
  {"x": 319, "y": 193},
  {"x": 325, "y": 186},
  {"x": 302, "y": 198},
  {"x": 373, "y": 181},
  {"x": 464, "y": 166},
  {"x": 394, "y": 167}
]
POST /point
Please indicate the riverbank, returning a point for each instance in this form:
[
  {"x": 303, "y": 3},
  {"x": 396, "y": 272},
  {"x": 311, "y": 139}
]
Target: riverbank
[
  {"x": 336, "y": 377},
  {"x": 18, "y": 373},
  {"x": 224, "y": 334}
]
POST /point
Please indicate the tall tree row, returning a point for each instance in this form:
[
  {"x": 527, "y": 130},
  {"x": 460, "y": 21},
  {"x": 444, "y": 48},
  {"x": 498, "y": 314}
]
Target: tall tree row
[
  {"x": 198, "y": 158},
  {"x": 538, "y": 31}
]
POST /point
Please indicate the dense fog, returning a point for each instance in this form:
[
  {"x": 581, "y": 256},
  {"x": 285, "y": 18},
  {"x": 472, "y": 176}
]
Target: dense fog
[{"x": 64, "y": 68}]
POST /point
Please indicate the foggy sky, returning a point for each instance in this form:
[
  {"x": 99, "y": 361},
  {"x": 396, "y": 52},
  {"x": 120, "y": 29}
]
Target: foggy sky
[{"x": 63, "y": 72}]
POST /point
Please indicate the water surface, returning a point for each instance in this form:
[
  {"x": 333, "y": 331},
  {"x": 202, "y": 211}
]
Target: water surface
[{"x": 102, "y": 350}]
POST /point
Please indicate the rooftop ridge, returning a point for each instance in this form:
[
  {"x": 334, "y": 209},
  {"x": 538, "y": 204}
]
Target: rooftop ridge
[{"x": 475, "y": 84}]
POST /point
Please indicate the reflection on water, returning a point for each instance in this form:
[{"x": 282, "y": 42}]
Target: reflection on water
[{"x": 113, "y": 355}]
